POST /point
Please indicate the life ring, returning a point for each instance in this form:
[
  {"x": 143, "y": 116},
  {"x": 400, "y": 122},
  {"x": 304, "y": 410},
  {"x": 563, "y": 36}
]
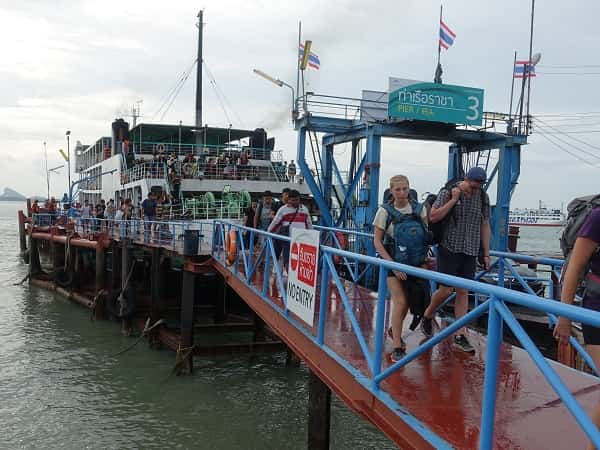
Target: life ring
[
  {"x": 341, "y": 238},
  {"x": 230, "y": 247}
]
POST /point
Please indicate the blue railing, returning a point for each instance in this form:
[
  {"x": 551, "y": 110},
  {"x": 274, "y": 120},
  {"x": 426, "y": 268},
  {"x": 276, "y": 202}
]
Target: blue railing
[
  {"x": 495, "y": 306},
  {"x": 168, "y": 234}
]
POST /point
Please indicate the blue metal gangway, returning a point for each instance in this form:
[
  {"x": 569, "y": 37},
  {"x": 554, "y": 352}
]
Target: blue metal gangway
[{"x": 414, "y": 400}]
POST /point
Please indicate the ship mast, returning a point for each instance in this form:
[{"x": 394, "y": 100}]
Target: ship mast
[{"x": 199, "y": 73}]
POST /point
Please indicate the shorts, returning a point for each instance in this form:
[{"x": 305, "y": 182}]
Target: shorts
[
  {"x": 591, "y": 334},
  {"x": 457, "y": 264}
]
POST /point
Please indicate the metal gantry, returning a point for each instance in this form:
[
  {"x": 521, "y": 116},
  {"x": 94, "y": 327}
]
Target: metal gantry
[{"x": 351, "y": 203}]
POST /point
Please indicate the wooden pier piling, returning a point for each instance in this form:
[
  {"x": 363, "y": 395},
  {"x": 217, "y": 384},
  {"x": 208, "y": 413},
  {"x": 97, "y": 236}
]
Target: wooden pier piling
[
  {"x": 184, "y": 353},
  {"x": 126, "y": 281},
  {"x": 155, "y": 287},
  {"x": 22, "y": 234},
  {"x": 35, "y": 266},
  {"x": 319, "y": 413}
]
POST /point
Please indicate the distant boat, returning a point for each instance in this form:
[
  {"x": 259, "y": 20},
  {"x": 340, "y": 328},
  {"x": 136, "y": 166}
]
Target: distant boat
[{"x": 541, "y": 217}]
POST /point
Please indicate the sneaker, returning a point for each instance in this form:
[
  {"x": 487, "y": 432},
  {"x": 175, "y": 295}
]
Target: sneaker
[
  {"x": 427, "y": 326},
  {"x": 397, "y": 354},
  {"x": 462, "y": 343}
]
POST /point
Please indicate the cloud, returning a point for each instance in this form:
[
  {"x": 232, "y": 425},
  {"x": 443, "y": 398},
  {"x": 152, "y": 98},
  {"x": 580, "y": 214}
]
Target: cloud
[{"x": 76, "y": 65}]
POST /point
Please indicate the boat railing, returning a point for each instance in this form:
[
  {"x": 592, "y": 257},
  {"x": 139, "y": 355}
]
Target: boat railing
[
  {"x": 496, "y": 305},
  {"x": 143, "y": 170},
  {"x": 165, "y": 233},
  {"x": 192, "y": 209},
  {"x": 213, "y": 169},
  {"x": 232, "y": 151}
]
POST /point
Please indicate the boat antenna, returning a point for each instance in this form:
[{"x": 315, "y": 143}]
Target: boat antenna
[{"x": 200, "y": 24}]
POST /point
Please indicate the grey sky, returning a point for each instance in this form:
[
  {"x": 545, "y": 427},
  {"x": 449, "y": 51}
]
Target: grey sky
[{"x": 76, "y": 65}]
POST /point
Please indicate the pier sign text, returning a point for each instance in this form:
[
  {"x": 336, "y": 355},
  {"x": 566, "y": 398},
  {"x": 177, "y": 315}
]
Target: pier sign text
[
  {"x": 436, "y": 102},
  {"x": 302, "y": 275}
]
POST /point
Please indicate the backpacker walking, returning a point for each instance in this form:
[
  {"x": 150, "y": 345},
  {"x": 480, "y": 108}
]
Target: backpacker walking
[
  {"x": 400, "y": 235},
  {"x": 581, "y": 243},
  {"x": 465, "y": 233}
]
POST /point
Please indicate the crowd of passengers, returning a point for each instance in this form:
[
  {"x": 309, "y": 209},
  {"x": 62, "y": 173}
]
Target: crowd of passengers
[
  {"x": 225, "y": 164},
  {"x": 166, "y": 207}
]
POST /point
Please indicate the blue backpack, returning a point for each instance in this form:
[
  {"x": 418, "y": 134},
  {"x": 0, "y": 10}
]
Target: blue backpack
[{"x": 411, "y": 238}]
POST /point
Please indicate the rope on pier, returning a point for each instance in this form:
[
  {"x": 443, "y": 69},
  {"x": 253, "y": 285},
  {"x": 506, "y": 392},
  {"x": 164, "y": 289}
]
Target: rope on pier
[
  {"x": 95, "y": 302},
  {"x": 22, "y": 281},
  {"x": 146, "y": 330}
]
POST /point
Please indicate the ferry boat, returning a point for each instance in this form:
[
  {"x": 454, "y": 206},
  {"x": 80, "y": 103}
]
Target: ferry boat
[
  {"x": 541, "y": 217},
  {"x": 202, "y": 162},
  {"x": 200, "y": 172}
]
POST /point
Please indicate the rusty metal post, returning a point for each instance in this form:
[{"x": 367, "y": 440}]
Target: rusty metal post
[
  {"x": 98, "y": 304},
  {"x": 100, "y": 267},
  {"x": 73, "y": 265},
  {"x": 114, "y": 281},
  {"x": 155, "y": 286},
  {"x": 22, "y": 233},
  {"x": 259, "y": 334},
  {"x": 319, "y": 413},
  {"x": 35, "y": 266},
  {"x": 291, "y": 359},
  {"x": 220, "y": 308},
  {"x": 126, "y": 325},
  {"x": 555, "y": 285},
  {"x": 54, "y": 255},
  {"x": 513, "y": 238},
  {"x": 185, "y": 362}
]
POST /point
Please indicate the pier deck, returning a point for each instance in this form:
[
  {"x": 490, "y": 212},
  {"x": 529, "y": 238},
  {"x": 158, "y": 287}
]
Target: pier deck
[{"x": 441, "y": 392}]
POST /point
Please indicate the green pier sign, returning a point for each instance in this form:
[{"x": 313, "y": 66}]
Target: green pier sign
[{"x": 437, "y": 103}]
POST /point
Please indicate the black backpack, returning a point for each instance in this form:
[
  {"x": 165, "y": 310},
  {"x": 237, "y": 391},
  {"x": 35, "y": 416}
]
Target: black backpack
[
  {"x": 438, "y": 229},
  {"x": 578, "y": 211}
]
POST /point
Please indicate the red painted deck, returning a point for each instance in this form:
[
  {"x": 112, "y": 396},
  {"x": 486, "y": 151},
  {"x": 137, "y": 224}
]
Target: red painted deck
[{"x": 443, "y": 388}]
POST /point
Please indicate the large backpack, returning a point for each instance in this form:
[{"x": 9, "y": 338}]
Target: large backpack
[
  {"x": 578, "y": 211},
  {"x": 438, "y": 229},
  {"x": 409, "y": 244}
]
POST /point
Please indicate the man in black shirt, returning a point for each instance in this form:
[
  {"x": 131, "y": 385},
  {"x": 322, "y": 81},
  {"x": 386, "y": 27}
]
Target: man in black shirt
[
  {"x": 275, "y": 206},
  {"x": 249, "y": 214}
]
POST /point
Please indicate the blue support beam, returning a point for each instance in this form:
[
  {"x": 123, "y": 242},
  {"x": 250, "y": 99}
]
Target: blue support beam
[
  {"x": 509, "y": 169},
  {"x": 326, "y": 218},
  {"x": 360, "y": 206},
  {"x": 327, "y": 173},
  {"x": 454, "y": 162}
]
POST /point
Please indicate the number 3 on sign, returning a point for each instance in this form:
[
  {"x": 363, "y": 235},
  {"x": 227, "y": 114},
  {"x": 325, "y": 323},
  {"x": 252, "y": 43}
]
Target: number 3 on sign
[{"x": 473, "y": 107}]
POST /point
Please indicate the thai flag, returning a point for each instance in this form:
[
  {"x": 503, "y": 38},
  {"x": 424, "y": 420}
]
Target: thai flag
[
  {"x": 524, "y": 69},
  {"x": 447, "y": 36},
  {"x": 313, "y": 59}
]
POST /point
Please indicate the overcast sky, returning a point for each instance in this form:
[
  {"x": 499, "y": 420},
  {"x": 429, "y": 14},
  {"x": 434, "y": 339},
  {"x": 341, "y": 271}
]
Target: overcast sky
[{"x": 76, "y": 65}]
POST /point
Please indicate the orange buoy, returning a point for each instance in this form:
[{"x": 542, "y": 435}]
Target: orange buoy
[
  {"x": 341, "y": 237},
  {"x": 230, "y": 247}
]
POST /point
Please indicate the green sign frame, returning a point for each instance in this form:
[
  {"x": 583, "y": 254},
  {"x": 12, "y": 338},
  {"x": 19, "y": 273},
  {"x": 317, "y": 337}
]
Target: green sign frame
[{"x": 436, "y": 102}]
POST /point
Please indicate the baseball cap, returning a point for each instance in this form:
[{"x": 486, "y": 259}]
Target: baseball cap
[{"x": 477, "y": 174}]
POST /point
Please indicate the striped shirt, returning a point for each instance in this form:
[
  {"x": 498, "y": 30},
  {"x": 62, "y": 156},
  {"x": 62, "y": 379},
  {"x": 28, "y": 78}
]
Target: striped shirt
[
  {"x": 288, "y": 216},
  {"x": 463, "y": 232}
]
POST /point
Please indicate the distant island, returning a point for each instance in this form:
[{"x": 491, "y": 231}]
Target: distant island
[{"x": 12, "y": 196}]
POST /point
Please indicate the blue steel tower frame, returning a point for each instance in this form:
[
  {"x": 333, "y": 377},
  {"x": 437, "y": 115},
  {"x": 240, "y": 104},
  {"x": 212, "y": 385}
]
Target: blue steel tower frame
[{"x": 358, "y": 204}]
